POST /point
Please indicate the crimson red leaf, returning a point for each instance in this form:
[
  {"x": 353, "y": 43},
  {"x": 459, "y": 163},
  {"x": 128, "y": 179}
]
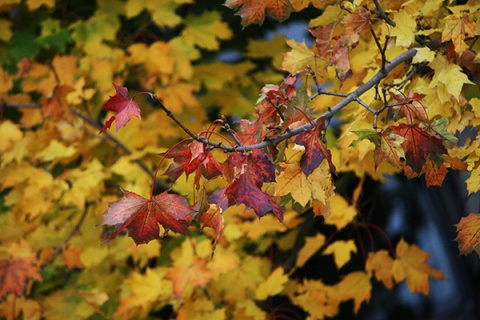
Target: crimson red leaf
[
  {"x": 244, "y": 190},
  {"x": 193, "y": 158},
  {"x": 418, "y": 143},
  {"x": 123, "y": 105},
  {"x": 315, "y": 151},
  {"x": 141, "y": 216}
]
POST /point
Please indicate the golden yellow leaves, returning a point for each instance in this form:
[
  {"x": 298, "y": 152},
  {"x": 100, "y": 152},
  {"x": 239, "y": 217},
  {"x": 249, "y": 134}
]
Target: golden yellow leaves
[
  {"x": 457, "y": 29},
  {"x": 204, "y": 30},
  {"x": 162, "y": 11},
  {"x": 410, "y": 264}
]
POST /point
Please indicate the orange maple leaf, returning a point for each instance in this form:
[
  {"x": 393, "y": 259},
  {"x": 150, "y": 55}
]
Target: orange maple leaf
[
  {"x": 381, "y": 264},
  {"x": 411, "y": 265},
  {"x": 14, "y": 274},
  {"x": 253, "y": 11},
  {"x": 213, "y": 218},
  {"x": 434, "y": 175},
  {"x": 356, "y": 23},
  {"x": 468, "y": 237},
  {"x": 458, "y": 29},
  {"x": 195, "y": 274}
]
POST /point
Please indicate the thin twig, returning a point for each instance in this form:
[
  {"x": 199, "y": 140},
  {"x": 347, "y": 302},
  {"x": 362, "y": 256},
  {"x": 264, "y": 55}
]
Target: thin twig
[
  {"x": 231, "y": 132},
  {"x": 366, "y": 106},
  {"x": 170, "y": 114},
  {"x": 383, "y": 15},
  {"x": 382, "y": 50}
]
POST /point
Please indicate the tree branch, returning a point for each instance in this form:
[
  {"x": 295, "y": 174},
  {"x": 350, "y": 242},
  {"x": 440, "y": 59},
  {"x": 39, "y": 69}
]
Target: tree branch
[
  {"x": 383, "y": 15},
  {"x": 353, "y": 96}
]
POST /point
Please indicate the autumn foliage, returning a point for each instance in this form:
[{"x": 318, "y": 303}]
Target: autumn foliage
[{"x": 222, "y": 180}]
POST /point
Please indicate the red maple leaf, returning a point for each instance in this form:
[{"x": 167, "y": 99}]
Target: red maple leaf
[
  {"x": 245, "y": 175},
  {"x": 123, "y": 105},
  {"x": 418, "y": 143},
  {"x": 193, "y": 158},
  {"x": 253, "y": 11},
  {"x": 411, "y": 106},
  {"x": 315, "y": 151},
  {"x": 244, "y": 190},
  {"x": 141, "y": 216},
  {"x": 14, "y": 274},
  {"x": 250, "y": 131}
]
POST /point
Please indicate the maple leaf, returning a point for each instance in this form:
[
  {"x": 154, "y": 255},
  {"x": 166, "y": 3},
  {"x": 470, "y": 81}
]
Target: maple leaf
[
  {"x": 468, "y": 237},
  {"x": 418, "y": 143},
  {"x": 315, "y": 152},
  {"x": 213, "y": 218},
  {"x": 458, "y": 29},
  {"x": 341, "y": 251},
  {"x": 311, "y": 246},
  {"x": 195, "y": 274},
  {"x": 193, "y": 157},
  {"x": 323, "y": 38},
  {"x": 14, "y": 273},
  {"x": 356, "y": 286},
  {"x": 381, "y": 264},
  {"x": 434, "y": 174},
  {"x": 356, "y": 23},
  {"x": 141, "y": 216},
  {"x": 411, "y": 106},
  {"x": 341, "y": 60},
  {"x": 246, "y": 175},
  {"x": 272, "y": 286},
  {"x": 244, "y": 190},
  {"x": 388, "y": 146},
  {"x": 253, "y": 11},
  {"x": 123, "y": 105},
  {"x": 411, "y": 265}
]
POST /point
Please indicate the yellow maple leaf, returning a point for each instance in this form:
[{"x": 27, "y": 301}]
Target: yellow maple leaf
[
  {"x": 268, "y": 49},
  {"x": 404, "y": 30},
  {"x": 163, "y": 12},
  {"x": 206, "y": 29},
  {"x": 318, "y": 299},
  {"x": 293, "y": 181},
  {"x": 198, "y": 309},
  {"x": 311, "y": 246},
  {"x": 341, "y": 251},
  {"x": 381, "y": 264},
  {"x": 473, "y": 182},
  {"x": 458, "y": 28},
  {"x": 156, "y": 58},
  {"x": 145, "y": 289},
  {"x": 9, "y": 135},
  {"x": 299, "y": 57},
  {"x": 356, "y": 286},
  {"x": 468, "y": 237},
  {"x": 272, "y": 286},
  {"x": 5, "y": 32},
  {"x": 341, "y": 212},
  {"x": 448, "y": 74},
  {"x": 411, "y": 265}
]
